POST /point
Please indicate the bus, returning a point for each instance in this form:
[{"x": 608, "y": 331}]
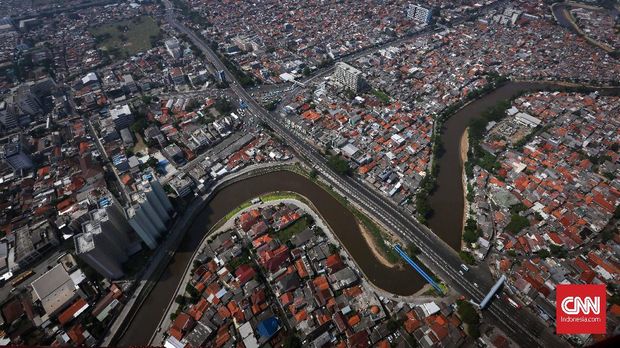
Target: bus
[{"x": 20, "y": 278}]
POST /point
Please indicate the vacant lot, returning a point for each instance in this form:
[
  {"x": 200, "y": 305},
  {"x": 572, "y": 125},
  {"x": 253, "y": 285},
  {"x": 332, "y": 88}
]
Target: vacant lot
[
  {"x": 125, "y": 38},
  {"x": 297, "y": 226}
]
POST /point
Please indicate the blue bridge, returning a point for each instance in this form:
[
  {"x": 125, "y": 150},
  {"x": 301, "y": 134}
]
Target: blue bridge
[
  {"x": 485, "y": 301},
  {"x": 419, "y": 269}
]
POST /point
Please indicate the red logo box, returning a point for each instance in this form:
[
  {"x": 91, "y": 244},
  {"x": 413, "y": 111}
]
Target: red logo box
[{"x": 580, "y": 309}]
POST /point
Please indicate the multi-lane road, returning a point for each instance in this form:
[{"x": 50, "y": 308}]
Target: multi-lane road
[{"x": 522, "y": 326}]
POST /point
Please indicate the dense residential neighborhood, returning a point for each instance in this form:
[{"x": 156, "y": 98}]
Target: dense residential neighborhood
[{"x": 143, "y": 144}]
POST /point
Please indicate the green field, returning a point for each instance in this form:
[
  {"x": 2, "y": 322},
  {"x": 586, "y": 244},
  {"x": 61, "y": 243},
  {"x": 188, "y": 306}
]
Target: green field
[
  {"x": 297, "y": 226},
  {"x": 126, "y": 38}
]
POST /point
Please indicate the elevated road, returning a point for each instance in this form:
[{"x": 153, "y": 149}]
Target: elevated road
[{"x": 522, "y": 326}]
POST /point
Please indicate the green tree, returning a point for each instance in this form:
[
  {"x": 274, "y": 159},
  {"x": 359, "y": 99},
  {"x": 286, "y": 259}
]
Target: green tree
[
  {"x": 471, "y": 231},
  {"x": 223, "y": 106},
  {"x": 467, "y": 257},
  {"x": 469, "y": 316},
  {"x": 470, "y": 236},
  {"x": 558, "y": 251},
  {"x": 517, "y": 223},
  {"x": 180, "y": 299},
  {"x": 193, "y": 293},
  {"x": 339, "y": 165},
  {"x": 412, "y": 249},
  {"x": 139, "y": 125},
  {"x": 152, "y": 162},
  {"x": 192, "y": 105},
  {"x": 333, "y": 248},
  {"x": 292, "y": 341},
  {"x": 607, "y": 235},
  {"x": 393, "y": 325}
]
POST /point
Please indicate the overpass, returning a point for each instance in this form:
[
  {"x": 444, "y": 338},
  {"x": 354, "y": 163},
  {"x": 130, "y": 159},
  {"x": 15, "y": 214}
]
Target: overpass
[
  {"x": 523, "y": 327},
  {"x": 489, "y": 296},
  {"x": 419, "y": 269}
]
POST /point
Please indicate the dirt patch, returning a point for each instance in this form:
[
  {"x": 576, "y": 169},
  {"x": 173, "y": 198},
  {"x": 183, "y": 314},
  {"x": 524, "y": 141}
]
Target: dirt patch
[
  {"x": 370, "y": 240},
  {"x": 464, "y": 148}
]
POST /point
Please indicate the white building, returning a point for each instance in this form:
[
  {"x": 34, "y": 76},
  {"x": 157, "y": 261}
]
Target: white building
[
  {"x": 104, "y": 241},
  {"x": 181, "y": 186},
  {"x": 55, "y": 289},
  {"x": 91, "y": 77},
  {"x": 527, "y": 120},
  {"x": 348, "y": 77},
  {"x": 419, "y": 14},
  {"x": 173, "y": 47},
  {"x": 122, "y": 116},
  {"x": 149, "y": 211}
]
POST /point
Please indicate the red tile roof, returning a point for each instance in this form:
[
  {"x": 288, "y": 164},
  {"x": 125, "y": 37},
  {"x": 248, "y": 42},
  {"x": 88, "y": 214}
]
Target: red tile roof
[{"x": 69, "y": 313}]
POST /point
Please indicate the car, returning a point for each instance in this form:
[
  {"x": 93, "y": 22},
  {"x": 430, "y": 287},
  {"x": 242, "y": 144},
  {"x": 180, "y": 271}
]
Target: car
[
  {"x": 475, "y": 284},
  {"x": 461, "y": 272}
]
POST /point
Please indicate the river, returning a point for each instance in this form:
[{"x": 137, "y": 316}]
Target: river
[
  {"x": 338, "y": 217},
  {"x": 447, "y": 222},
  {"x": 447, "y": 200},
  {"x": 561, "y": 13}
]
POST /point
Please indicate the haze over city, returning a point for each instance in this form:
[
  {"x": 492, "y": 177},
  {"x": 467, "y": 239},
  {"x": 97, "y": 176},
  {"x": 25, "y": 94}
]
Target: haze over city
[{"x": 286, "y": 173}]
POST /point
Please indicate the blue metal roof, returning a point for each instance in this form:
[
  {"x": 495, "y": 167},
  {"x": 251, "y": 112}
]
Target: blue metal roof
[{"x": 268, "y": 327}]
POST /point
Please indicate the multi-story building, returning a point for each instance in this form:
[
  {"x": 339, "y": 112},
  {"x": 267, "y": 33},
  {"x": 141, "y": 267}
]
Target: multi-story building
[
  {"x": 348, "y": 77},
  {"x": 173, "y": 47},
  {"x": 33, "y": 241},
  {"x": 122, "y": 116},
  {"x": 181, "y": 185},
  {"x": 28, "y": 102},
  {"x": 243, "y": 43},
  {"x": 24, "y": 102},
  {"x": 149, "y": 212},
  {"x": 95, "y": 248},
  {"x": 15, "y": 157},
  {"x": 419, "y": 14},
  {"x": 104, "y": 240},
  {"x": 9, "y": 116},
  {"x": 221, "y": 76},
  {"x": 177, "y": 76}
]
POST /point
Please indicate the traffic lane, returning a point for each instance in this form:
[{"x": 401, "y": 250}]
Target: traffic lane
[
  {"x": 259, "y": 111},
  {"x": 470, "y": 290},
  {"x": 472, "y": 293}
]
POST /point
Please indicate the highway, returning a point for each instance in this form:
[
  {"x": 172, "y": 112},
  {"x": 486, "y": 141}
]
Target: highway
[{"x": 523, "y": 327}]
